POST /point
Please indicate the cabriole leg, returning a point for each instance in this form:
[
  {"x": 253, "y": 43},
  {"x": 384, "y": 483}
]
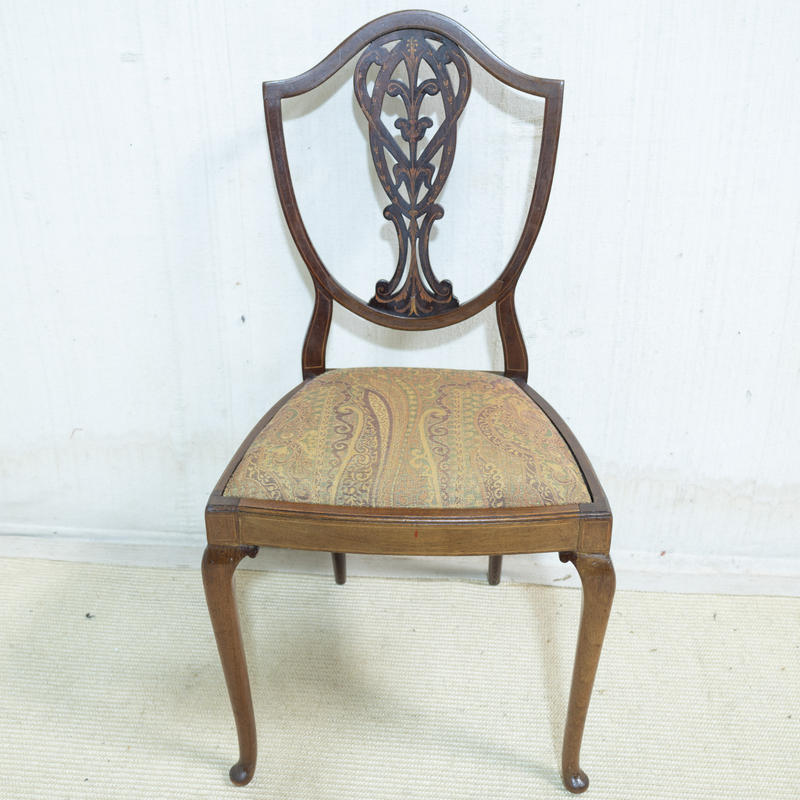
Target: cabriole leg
[
  {"x": 219, "y": 564},
  {"x": 599, "y": 583}
]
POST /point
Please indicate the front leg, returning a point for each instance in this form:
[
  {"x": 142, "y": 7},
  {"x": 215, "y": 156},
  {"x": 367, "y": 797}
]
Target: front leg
[
  {"x": 219, "y": 564},
  {"x": 599, "y": 583}
]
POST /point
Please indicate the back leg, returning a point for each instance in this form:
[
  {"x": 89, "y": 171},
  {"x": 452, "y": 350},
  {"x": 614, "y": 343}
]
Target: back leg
[
  {"x": 339, "y": 567},
  {"x": 219, "y": 564},
  {"x": 599, "y": 583},
  {"x": 495, "y": 568}
]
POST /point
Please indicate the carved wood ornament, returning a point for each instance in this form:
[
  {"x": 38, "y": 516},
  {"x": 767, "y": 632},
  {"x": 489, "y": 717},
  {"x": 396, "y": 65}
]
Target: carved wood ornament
[{"x": 413, "y": 171}]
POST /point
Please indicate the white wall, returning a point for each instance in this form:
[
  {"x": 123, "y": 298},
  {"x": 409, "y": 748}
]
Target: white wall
[{"x": 153, "y": 305}]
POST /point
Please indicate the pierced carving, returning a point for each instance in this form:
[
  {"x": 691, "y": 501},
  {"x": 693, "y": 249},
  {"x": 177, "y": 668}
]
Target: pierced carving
[{"x": 422, "y": 294}]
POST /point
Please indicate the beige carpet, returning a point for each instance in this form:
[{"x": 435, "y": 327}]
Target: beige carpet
[{"x": 110, "y": 687}]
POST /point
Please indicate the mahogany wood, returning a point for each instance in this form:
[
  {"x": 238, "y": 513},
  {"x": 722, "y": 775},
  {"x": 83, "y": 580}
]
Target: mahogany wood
[
  {"x": 339, "y": 567},
  {"x": 495, "y": 568},
  {"x": 515, "y": 354},
  {"x": 414, "y": 173},
  {"x": 444, "y": 313},
  {"x": 313, "y": 359},
  {"x": 599, "y": 584},
  {"x": 384, "y": 533},
  {"x": 219, "y": 564},
  {"x": 580, "y": 533}
]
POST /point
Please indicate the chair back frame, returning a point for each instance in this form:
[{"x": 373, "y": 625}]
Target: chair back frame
[{"x": 409, "y": 307}]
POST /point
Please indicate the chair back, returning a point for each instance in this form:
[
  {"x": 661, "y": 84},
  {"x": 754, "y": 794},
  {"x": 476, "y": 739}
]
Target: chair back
[{"x": 414, "y": 55}]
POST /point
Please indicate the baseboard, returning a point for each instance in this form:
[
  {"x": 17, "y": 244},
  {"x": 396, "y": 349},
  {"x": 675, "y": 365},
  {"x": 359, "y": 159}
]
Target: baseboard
[{"x": 644, "y": 572}]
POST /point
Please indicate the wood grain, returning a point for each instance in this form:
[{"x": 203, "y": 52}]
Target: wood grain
[
  {"x": 388, "y": 535},
  {"x": 599, "y": 584},
  {"x": 218, "y": 567}
]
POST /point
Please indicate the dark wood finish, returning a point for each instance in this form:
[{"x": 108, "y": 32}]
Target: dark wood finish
[
  {"x": 317, "y": 335},
  {"x": 581, "y": 533},
  {"x": 219, "y": 564},
  {"x": 392, "y": 531},
  {"x": 421, "y": 295},
  {"x": 599, "y": 584},
  {"x": 495, "y": 568},
  {"x": 339, "y": 567},
  {"x": 439, "y": 311},
  {"x": 515, "y": 354}
]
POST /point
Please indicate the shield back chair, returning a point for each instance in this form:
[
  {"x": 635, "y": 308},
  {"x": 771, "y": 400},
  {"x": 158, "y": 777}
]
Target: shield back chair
[{"x": 401, "y": 460}]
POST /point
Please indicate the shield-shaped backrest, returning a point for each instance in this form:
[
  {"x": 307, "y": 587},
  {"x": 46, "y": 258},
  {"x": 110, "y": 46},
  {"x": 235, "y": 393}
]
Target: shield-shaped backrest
[{"x": 414, "y": 55}]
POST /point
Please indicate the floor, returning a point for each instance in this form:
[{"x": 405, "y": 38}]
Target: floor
[{"x": 110, "y": 687}]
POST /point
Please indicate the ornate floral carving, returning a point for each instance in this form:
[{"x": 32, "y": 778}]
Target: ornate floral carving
[{"x": 422, "y": 294}]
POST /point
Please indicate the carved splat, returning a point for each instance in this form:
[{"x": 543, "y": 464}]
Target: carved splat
[{"x": 414, "y": 173}]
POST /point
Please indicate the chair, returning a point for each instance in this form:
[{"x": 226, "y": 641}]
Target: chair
[{"x": 411, "y": 461}]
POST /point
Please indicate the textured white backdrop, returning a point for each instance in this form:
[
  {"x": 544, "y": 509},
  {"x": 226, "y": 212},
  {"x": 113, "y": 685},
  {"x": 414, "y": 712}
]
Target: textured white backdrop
[{"x": 153, "y": 305}]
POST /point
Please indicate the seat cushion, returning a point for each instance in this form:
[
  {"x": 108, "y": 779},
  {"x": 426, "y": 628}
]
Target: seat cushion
[{"x": 410, "y": 438}]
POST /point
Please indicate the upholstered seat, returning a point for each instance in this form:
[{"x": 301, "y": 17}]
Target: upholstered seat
[{"x": 410, "y": 438}]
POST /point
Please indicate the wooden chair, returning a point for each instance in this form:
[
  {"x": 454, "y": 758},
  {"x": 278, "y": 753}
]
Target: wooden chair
[{"x": 406, "y": 461}]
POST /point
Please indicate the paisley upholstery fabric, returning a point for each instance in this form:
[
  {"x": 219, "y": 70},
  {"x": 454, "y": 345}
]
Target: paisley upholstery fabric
[{"x": 410, "y": 438}]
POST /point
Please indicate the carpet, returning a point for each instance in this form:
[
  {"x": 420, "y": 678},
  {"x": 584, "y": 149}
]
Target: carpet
[{"x": 110, "y": 687}]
